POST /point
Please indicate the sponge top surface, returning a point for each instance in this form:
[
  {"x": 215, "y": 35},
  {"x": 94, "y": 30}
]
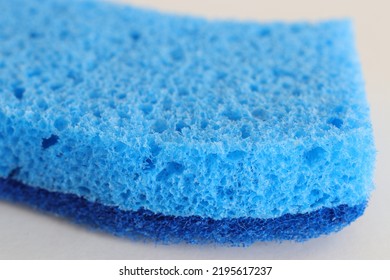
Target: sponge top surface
[
  {"x": 181, "y": 115},
  {"x": 183, "y": 79}
]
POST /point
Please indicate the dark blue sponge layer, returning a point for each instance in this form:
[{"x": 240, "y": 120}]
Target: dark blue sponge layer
[{"x": 144, "y": 224}]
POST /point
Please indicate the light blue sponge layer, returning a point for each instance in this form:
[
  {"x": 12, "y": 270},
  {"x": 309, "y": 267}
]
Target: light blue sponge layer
[{"x": 182, "y": 116}]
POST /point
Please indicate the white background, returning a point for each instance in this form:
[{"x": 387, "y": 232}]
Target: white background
[
  {"x": 25, "y": 234},
  {"x": 109, "y": 269}
]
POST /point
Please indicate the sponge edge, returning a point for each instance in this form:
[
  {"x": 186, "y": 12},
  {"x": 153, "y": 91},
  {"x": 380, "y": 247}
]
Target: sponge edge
[{"x": 146, "y": 225}]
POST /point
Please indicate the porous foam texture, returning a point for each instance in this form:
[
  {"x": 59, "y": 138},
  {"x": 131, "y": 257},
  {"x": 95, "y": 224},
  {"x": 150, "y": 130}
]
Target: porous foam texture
[
  {"x": 146, "y": 225},
  {"x": 182, "y": 116}
]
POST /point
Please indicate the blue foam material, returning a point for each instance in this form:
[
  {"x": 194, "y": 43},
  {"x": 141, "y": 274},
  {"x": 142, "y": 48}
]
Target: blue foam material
[
  {"x": 146, "y": 225},
  {"x": 182, "y": 116}
]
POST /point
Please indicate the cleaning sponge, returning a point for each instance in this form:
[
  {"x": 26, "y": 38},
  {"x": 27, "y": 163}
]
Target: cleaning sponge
[{"x": 182, "y": 120}]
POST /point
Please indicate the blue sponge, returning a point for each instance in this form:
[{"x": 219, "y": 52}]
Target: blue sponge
[
  {"x": 146, "y": 225},
  {"x": 149, "y": 117}
]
